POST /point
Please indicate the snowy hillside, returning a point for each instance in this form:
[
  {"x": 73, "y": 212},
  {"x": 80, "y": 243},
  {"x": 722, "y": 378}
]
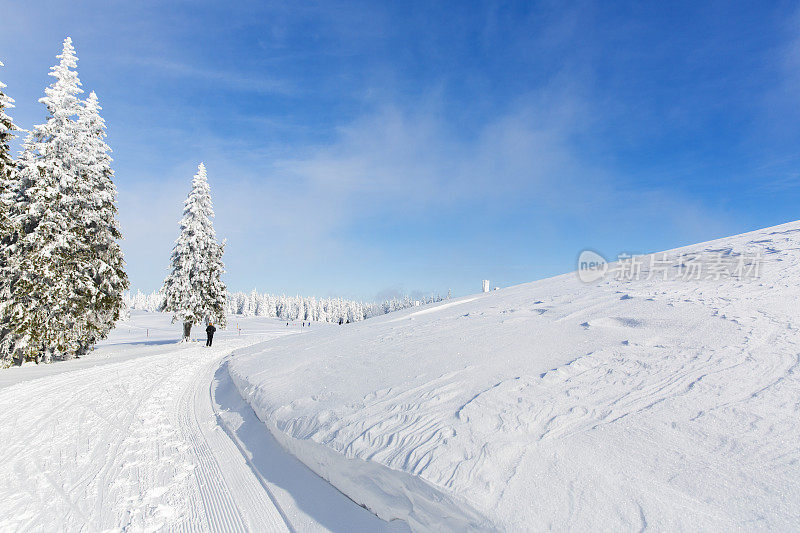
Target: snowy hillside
[{"x": 624, "y": 403}]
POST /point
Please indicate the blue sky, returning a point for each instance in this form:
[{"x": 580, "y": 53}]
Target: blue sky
[{"x": 364, "y": 149}]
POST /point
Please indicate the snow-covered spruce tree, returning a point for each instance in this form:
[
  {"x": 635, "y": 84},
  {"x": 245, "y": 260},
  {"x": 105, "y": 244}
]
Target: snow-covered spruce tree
[
  {"x": 7, "y": 128},
  {"x": 7, "y": 233},
  {"x": 193, "y": 290},
  {"x": 48, "y": 260},
  {"x": 101, "y": 282}
]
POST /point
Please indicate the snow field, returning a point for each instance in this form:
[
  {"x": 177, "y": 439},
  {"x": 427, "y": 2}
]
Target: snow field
[{"x": 557, "y": 404}]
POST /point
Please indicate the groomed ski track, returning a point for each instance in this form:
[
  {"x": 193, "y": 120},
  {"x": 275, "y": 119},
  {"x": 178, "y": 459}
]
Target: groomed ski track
[{"x": 153, "y": 438}]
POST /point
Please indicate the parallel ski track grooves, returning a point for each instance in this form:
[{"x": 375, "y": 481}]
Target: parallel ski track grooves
[
  {"x": 234, "y": 498},
  {"x": 161, "y": 403},
  {"x": 232, "y": 436},
  {"x": 220, "y": 510}
]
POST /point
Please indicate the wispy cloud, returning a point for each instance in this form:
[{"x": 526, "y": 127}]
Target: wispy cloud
[
  {"x": 409, "y": 159},
  {"x": 226, "y": 78}
]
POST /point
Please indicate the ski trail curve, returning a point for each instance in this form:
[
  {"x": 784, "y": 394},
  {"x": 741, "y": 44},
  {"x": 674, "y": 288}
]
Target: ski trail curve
[
  {"x": 131, "y": 445},
  {"x": 232, "y": 495}
]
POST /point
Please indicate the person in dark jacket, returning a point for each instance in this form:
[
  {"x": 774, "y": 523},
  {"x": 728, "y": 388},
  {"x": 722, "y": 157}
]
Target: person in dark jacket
[{"x": 210, "y": 332}]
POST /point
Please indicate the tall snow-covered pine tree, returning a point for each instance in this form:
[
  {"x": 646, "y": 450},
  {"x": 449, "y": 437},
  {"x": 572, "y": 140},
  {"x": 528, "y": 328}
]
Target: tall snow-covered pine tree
[
  {"x": 7, "y": 128},
  {"x": 100, "y": 283},
  {"x": 193, "y": 290},
  {"x": 7, "y": 171},
  {"x": 7, "y": 233},
  {"x": 48, "y": 254}
]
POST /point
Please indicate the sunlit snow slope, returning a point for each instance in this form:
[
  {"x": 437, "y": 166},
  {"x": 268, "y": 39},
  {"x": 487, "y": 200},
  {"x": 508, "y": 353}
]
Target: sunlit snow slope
[{"x": 558, "y": 404}]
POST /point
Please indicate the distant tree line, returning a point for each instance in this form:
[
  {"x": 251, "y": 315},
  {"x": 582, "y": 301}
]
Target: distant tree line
[{"x": 291, "y": 307}]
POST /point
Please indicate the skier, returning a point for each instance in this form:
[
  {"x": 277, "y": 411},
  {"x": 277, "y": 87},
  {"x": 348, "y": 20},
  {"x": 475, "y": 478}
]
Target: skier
[{"x": 210, "y": 332}]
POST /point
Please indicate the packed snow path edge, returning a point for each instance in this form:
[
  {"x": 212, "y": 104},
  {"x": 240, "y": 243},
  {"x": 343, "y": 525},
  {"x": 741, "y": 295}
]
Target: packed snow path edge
[
  {"x": 306, "y": 501},
  {"x": 391, "y": 494}
]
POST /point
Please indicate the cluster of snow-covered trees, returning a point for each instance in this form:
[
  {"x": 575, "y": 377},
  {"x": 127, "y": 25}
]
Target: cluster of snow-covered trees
[
  {"x": 62, "y": 273},
  {"x": 144, "y": 301},
  {"x": 316, "y": 309},
  {"x": 291, "y": 307}
]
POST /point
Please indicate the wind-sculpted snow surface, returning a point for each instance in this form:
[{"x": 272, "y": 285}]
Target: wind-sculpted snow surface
[{"x": 623, "y": 404}]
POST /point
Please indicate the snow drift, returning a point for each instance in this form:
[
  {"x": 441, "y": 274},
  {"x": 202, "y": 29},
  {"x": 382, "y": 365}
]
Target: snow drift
[{"x": 624, "y": 403}]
